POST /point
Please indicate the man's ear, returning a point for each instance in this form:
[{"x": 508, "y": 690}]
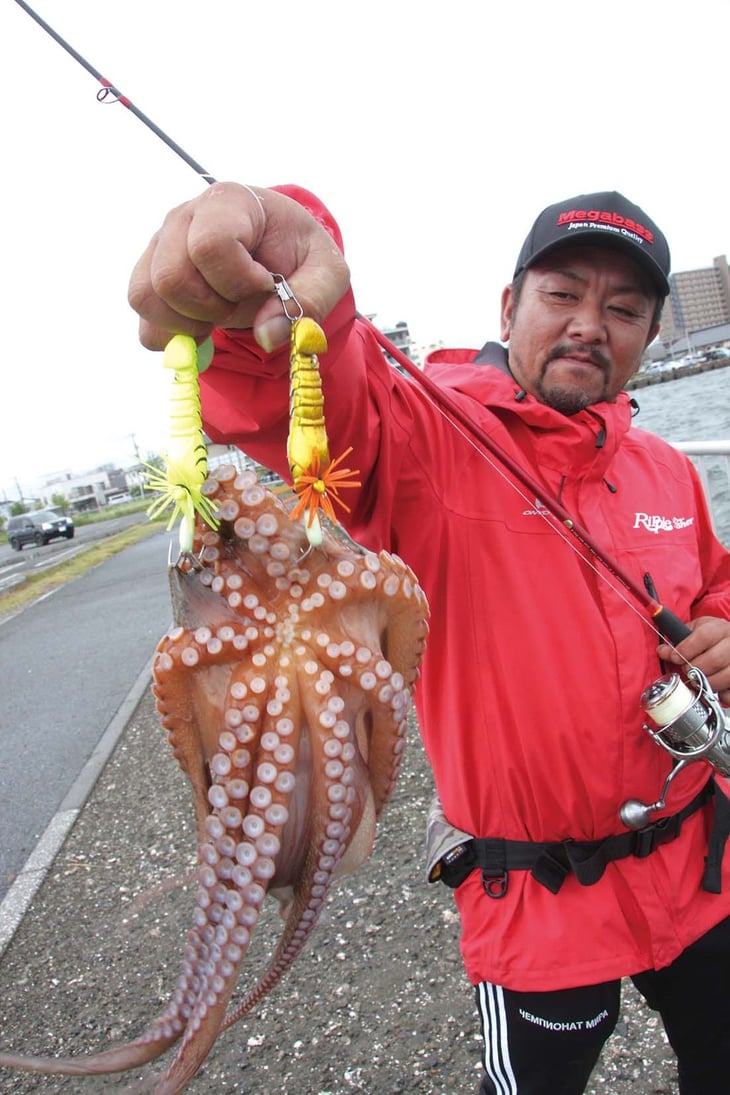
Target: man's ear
[
  {"x": 652, "y": 334},
  {"x": 508, "y": 310}
]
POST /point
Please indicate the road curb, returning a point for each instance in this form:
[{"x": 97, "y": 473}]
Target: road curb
[{"x": 16, "y": 902}]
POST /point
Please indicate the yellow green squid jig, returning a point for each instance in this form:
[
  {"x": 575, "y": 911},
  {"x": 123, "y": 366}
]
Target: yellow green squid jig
[{"x": 180, "y": 486}]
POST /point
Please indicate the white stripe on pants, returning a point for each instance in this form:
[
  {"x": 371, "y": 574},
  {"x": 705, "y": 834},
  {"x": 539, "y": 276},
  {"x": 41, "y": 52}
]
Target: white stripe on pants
[{"x": 497, "y": 1064}]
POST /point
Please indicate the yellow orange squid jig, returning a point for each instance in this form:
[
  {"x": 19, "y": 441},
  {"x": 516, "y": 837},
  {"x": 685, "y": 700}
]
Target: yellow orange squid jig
[{"x": 316, "y": 478}]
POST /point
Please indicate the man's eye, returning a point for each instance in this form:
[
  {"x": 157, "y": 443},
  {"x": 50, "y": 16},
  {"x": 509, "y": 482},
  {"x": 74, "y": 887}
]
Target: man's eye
[{"x": 628, "y": 313}]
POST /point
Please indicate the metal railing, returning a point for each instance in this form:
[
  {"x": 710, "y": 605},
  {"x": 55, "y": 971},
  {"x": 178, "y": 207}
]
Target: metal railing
[{"x": 712, "y": 460}]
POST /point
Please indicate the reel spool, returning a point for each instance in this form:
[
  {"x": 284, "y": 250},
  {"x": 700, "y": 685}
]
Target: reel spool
[{"x": 690, "y": 725}]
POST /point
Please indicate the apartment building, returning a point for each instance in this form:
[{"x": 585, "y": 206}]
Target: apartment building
[{"x": 698, "y": 299}]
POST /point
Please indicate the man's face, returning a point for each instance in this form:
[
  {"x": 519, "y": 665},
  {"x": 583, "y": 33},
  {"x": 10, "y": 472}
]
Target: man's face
[{"x": 582, "y": 323}]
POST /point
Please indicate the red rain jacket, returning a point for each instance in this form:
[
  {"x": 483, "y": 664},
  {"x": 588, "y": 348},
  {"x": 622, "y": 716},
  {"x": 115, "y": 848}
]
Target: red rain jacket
[{"x": 529, "y": 697}]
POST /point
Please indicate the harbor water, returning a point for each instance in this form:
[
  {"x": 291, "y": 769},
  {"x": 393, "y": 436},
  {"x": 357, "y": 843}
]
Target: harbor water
[{"x": 694, "y": 408}]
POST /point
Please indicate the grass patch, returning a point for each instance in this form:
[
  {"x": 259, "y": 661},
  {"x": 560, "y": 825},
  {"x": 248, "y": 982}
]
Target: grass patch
[
  {"x": 37, "y": 585},
  {"x": 107, "y": 513}
]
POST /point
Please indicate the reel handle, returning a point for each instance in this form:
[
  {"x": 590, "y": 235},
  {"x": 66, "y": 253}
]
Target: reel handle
[{"x": 636, "y": 814}]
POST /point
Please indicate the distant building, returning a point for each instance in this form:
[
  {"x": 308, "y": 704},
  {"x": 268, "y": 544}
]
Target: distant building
[
  {"x": 90, "y": 490},
  {"x": 219, "y": 454},
  {"x": 698, "y": 299},
  {"x": 702, "y": 339},
  {"x": 399, "y": 335}
]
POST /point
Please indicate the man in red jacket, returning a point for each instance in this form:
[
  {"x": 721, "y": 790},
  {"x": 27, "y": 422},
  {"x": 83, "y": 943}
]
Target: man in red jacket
[{"x": 529, "y": 698}]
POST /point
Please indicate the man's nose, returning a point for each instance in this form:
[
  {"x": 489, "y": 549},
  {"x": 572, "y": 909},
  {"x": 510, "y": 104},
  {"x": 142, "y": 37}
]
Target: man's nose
[{"x": 587, "y": 321}]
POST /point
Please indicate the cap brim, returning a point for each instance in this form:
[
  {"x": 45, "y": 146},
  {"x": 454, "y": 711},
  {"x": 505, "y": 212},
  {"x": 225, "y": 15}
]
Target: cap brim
[{"x": 611, "y": 243}]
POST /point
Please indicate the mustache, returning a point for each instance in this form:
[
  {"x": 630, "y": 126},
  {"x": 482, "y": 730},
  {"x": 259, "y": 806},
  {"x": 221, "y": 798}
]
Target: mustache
[{"x": 589, "y": 353}]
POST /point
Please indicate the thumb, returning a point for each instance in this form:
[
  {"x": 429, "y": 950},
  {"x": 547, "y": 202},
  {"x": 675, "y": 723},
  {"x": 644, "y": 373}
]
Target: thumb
[
  {"x": 667, "y": 653},
  {"x": 273, "y": 331},
  {"x": 312, "y": 289}
]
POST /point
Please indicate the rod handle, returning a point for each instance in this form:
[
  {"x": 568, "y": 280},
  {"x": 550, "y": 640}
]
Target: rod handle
[{"x": 672, "y": 628}]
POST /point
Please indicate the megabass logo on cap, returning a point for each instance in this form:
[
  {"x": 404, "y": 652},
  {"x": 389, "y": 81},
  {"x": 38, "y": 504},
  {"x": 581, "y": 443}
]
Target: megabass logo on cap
[{"x": 603, "y": 218}]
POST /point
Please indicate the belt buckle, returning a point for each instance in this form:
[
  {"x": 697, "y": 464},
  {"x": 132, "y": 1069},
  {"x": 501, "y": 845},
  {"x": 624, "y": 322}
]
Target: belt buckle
[
  {"x": 495, "y": 885},
  {"x": 651, "y": 837}
]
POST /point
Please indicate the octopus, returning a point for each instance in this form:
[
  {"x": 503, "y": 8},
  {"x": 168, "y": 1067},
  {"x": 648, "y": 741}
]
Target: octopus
[{"x": 284, "y": 687}]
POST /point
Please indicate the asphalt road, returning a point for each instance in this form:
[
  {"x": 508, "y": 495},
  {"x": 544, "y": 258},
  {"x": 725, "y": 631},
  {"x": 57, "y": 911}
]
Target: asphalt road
[
  {"x": 15, "y": 565},
  {"x": 67, "y": 662}
]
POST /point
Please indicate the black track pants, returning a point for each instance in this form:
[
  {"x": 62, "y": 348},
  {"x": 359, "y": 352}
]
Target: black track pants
[{"x": 547, "y": 1043}]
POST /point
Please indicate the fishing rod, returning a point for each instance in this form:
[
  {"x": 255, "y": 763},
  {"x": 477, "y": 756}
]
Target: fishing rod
[
  {"x": 109, "y": 89},
  {"x": 664, "y": 621}
]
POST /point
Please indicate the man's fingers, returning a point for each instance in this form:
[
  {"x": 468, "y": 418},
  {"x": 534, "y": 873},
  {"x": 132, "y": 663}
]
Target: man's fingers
[
  {"x": 212, "y": 264},
  {"x": 708, "y": 649},
  {"x": 222, "y": 236}
]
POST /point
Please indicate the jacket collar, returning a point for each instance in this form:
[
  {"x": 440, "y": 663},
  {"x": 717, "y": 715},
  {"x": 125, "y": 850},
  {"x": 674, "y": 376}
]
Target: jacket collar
[
  {"x": 584, "y": 443},
  {"x": 493, "y": 353}
]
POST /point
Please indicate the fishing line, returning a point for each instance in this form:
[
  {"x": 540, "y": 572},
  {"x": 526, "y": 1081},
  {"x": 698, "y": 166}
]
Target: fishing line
[{"x": 669, "y": 626}]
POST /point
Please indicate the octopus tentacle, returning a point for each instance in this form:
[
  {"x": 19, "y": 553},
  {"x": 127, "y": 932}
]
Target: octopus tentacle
[
  {"x": 284, "y": 688},
  {"x": 347, "y": 822}
]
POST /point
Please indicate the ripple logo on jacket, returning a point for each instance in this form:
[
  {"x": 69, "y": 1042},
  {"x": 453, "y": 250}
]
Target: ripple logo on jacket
[{"x": 654, "y": 522}]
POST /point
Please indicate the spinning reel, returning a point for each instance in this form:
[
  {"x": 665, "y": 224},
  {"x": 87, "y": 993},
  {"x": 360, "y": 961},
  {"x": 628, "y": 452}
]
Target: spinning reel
[{"x": 690, "y": 725}]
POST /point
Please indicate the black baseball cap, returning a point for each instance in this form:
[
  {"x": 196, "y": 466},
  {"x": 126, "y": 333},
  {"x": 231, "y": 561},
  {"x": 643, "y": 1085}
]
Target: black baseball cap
[{"x": 607, "y": 218}]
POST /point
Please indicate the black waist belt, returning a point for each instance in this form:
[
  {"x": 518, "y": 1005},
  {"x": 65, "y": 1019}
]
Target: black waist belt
[{"x": 551, "y": 863}]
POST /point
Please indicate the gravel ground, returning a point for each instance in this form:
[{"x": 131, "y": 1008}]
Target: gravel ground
[{"x": 377, "y": 1003}]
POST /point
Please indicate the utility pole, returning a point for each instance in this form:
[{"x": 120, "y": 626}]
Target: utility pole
[{"x": 133, "y": 438}]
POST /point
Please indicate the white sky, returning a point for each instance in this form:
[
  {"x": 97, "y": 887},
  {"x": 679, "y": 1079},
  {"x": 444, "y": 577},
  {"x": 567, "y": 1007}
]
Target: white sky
[{"x": 435, "y": 132}]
